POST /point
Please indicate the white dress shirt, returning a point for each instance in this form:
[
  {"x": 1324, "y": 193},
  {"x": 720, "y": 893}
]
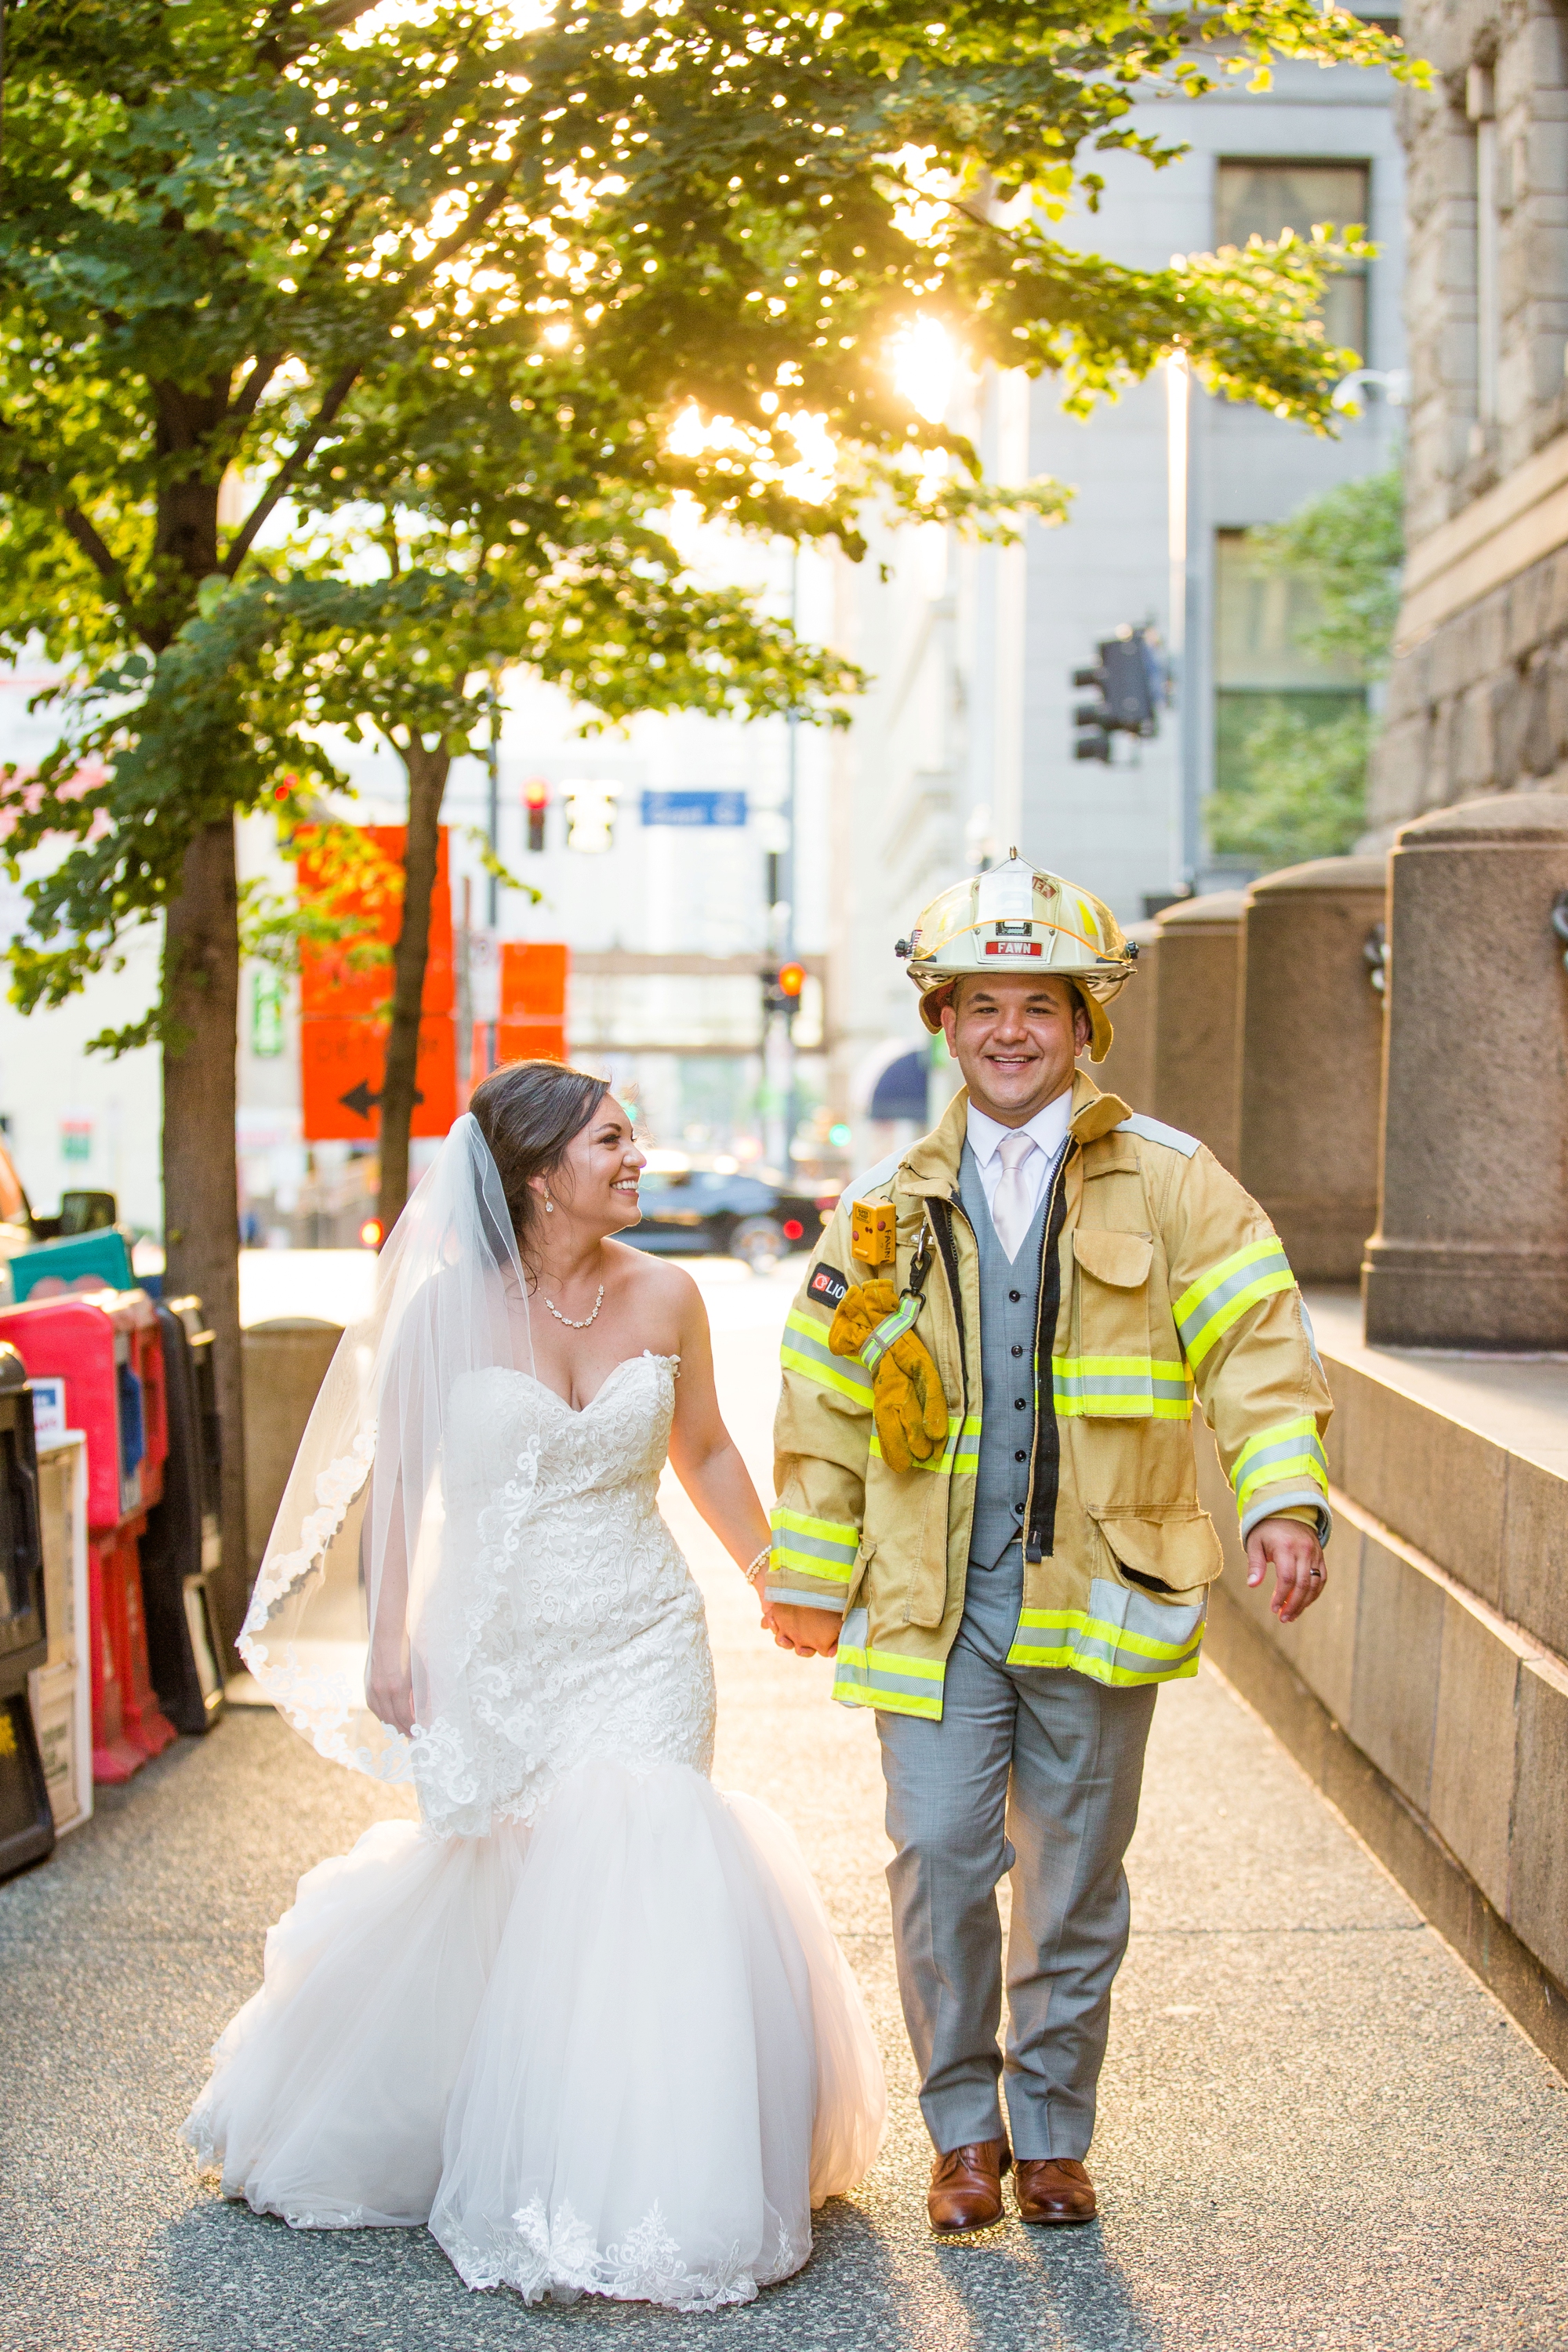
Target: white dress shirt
[{"x": 1048, "y": 1129}]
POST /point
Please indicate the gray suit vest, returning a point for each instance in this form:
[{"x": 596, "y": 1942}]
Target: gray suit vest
[{"x": 1009, "y": 1301}]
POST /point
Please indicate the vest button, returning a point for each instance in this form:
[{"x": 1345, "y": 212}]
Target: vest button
[
  {"x": 1014, "y": 1295},
  {"x": 1018, "y": 1351},
  {"x": 1020, "y": 1456}
]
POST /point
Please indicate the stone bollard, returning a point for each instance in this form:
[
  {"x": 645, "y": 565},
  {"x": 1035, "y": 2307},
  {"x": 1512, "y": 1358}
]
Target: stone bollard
[
  {"x": 1311, "y": 1059},
  {"x": 1471, "y": 1247},
  {"x": 1195, "y": 1008},
  {"x": 285, "y": 1363},
  {"x": 1128, "y": 1069}
]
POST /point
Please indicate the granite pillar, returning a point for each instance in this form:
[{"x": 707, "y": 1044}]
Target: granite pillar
[
  {"x": 1471, "y": 1249},
  {"x": 1128, "y": 1069},
  {"x": 285, "y": 1363},
  {"x": 1311, "y": 1059},
  {"x": 1196, "y": 1009}
]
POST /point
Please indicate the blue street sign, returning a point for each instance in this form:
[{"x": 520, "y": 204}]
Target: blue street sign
[{"x": 685, "y": 808}]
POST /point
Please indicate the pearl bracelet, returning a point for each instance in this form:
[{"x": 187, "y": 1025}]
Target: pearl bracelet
[{"x": 762, "y": 1560}]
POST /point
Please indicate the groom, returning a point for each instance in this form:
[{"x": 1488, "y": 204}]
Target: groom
[{"x": 1050, "y": 1278}]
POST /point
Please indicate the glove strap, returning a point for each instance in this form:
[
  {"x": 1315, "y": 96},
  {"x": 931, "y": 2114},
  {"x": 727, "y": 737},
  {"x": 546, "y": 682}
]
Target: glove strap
[{"x": 891, "y": 1327}]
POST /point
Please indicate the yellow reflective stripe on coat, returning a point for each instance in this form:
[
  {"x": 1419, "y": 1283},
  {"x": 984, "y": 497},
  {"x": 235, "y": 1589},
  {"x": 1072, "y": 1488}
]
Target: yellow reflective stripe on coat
[
  {"x": 805, "y": 1351},
  {"x": 813, "y": 1559},
  {"x": 888, "y": 1679},
  {"x": 1121, "y": 1388},
  {"x": 1123, "y": 1637},
  {"x": 1292, "y": 1450},
  {"x": 1218, "y": 1298},
  {"x": 962, "y": 1451}
]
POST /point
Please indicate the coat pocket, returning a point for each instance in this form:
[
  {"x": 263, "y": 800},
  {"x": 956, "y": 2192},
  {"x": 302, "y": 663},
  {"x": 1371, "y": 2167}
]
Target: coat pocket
[
  {"x": 1110, "y": 1375},
  {"x": 1169, "y": 1550}
]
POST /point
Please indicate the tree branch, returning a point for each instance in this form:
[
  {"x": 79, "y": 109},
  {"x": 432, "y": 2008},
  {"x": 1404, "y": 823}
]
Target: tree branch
[
  {"x": 338, "y": 391},
  {"x": 93, "y": 547},
  {"x": 344, "y": 382}
]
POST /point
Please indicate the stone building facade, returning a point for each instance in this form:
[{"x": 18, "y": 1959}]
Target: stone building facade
[{"x": 1477, "y": 699}]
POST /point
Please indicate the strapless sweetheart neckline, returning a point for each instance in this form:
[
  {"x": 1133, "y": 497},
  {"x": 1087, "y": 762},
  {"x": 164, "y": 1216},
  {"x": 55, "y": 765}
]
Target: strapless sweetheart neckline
[{"x": 647, "y": 1356}]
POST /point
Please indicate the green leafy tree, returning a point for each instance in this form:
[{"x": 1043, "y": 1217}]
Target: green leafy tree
[
  {"x": 1304, "y": 789},
  {"x": 1349, "y": 546},
  {"x": 315, "y": 247},
  {"x": 411, "y": 658}
]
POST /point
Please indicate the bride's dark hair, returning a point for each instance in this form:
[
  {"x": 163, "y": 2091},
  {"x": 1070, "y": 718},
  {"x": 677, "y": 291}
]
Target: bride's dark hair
[{"x": 527, "y": 1112}]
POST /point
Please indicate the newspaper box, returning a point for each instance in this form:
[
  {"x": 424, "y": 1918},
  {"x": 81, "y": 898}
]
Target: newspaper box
[
  {"x": 181, "y": 1551},
  {"x": 106, "y": 1347},
  {"x": 27, "y": 1821}
]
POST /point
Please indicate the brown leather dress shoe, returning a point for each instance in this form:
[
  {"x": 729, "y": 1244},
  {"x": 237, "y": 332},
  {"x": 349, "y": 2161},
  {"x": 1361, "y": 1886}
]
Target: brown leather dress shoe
[
  {"x": 965, "y": 2190},
  {"x": 1053, "y": 2188}
]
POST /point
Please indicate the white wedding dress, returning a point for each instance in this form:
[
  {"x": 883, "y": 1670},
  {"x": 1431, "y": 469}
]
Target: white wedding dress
[{"x": 586, "y": 2018}]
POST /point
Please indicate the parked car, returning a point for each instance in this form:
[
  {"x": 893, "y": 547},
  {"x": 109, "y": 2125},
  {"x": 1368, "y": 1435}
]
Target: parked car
[{"x": 707, "y": 1208}]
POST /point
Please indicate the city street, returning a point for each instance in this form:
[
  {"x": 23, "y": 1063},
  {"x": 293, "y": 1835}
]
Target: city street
[{"x": 1317, "y": 2128}]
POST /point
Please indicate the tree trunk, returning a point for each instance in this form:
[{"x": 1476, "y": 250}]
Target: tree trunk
[
  {"x": 201, "y": 1193},
  {"x": 427, "y": 788}
]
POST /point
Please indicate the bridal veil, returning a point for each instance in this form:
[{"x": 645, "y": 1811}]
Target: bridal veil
[{"x": 357, "y": 1545}]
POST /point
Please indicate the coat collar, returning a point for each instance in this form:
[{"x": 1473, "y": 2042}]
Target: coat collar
[{"x": 930, "y": 1166}]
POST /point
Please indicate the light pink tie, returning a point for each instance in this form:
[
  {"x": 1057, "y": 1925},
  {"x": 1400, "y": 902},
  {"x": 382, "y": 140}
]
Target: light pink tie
[{"x": 1012, "y": 1209}]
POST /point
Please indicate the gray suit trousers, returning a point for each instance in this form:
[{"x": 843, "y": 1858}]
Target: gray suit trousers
[{"x": 1034, "y": 1772}]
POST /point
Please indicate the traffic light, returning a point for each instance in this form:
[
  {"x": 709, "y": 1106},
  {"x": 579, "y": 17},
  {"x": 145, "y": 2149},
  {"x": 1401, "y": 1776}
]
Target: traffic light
[
  {"x": 782, "y": 984},
  {"x": 535, "y": 801},
  {"x": 1130, "y": 681}
]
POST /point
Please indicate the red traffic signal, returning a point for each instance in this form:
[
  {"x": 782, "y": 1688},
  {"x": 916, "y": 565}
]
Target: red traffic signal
[
  {"x": 535, "y": 801},
  {"x": 792, "y": 980}
]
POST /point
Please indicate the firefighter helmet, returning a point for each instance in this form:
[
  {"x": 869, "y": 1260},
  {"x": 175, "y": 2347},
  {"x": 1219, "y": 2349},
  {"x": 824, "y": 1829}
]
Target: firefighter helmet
[{"x": 1013, "y": 919}]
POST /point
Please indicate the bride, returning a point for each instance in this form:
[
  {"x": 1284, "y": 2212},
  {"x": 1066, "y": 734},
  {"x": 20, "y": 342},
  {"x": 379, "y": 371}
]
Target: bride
[{"x": 586, "y": 2018}]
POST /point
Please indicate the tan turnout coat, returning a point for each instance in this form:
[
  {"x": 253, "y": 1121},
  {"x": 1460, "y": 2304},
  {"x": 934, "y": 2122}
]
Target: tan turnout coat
[{"x": 1161, "y": 1282}]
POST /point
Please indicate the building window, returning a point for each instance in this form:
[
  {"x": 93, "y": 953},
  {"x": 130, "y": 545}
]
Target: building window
[
  {"x": 1264, "y": 196},
  {"x": 1291, "y": 726}
]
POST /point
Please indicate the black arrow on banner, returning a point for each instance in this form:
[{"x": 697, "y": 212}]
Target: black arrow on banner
[{"x": 361, "y": 1101}]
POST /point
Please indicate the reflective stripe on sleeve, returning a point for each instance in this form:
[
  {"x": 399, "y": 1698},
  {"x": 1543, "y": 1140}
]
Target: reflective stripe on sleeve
[
  {"x": 813, "y": 1559},
  {"x": 1123, "y": 1637},
  {"x": 1293, "y": 1450},
  {"x": 887, "y": 1679},
  {"x": 805, "y": 1351},
  {"x": 1218, "y": 1298},
  {"x": 1121, "y": 1388}
]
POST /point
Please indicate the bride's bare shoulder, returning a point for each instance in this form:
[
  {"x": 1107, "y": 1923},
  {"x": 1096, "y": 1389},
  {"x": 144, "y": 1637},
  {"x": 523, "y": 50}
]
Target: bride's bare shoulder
[{"x": 653, "y": 1282}]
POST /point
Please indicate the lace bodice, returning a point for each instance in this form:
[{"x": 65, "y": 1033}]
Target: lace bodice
[{"x": 562, "y": 1625}]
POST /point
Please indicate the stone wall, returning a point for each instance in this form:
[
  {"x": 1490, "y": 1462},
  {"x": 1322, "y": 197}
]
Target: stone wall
[
  {"x": 1481, "y": 704},
  {"x": 1478, "y": 701},
  {"x": 1455, "y": 452},
  {"x": 1428, "y": 1692}
]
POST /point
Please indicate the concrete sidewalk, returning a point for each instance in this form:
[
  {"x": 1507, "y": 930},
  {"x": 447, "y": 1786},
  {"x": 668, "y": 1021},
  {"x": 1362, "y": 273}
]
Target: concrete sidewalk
[{"x": 1317, "y": 2129}]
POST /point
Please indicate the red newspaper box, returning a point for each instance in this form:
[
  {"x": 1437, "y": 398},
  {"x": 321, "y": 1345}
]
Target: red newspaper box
[{"x": 107, "y": 1347}]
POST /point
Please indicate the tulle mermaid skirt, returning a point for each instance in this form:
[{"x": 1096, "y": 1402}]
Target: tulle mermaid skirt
[{"x": 619, "y": 2052}]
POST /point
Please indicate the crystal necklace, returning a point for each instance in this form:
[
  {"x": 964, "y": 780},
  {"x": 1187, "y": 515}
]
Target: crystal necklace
[{"x": 572, "y": 1322}]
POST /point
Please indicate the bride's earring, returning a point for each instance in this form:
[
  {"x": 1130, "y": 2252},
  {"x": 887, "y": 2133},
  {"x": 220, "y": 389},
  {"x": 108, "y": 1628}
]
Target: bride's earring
[{"x": 549, "y": 1206}]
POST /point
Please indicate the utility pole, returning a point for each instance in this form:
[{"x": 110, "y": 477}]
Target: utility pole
[
  {"x": 492, "y": 799},
  {"x": 1178, "y": 481},
  {"x": 778, "y": 1046}
]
